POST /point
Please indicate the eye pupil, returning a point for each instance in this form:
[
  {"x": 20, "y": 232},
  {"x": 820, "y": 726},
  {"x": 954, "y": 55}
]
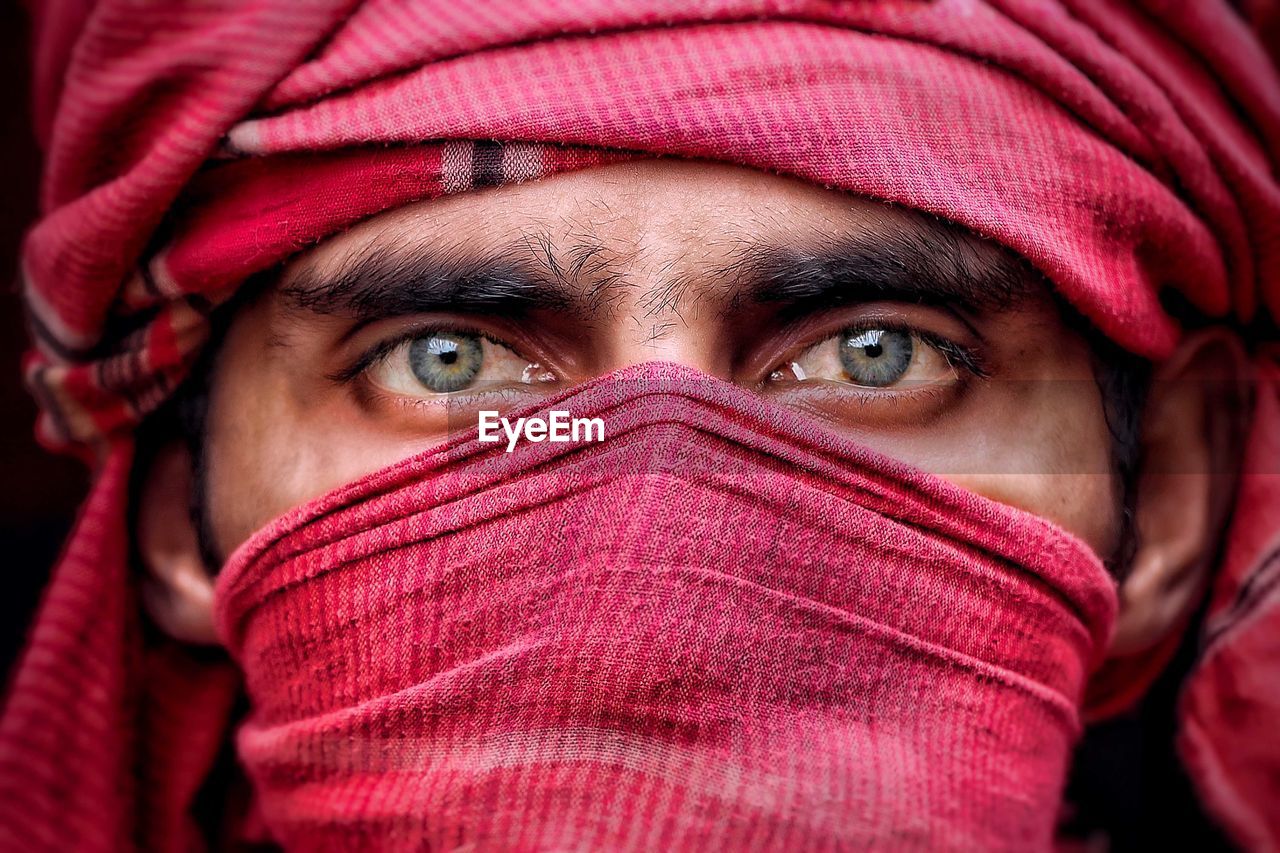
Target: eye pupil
[
  {"x": 876, "y": 357},
  {"x": 446, "y": 361}
]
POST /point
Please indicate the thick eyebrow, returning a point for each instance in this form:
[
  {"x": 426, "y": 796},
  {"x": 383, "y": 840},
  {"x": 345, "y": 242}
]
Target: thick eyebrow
[
  {"x": 923, "y": 261},
  {"x": 387, "y": 280},
  {"x": 915, "y": 260}
]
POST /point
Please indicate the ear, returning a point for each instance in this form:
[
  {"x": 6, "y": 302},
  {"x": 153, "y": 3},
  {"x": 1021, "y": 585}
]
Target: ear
[
  {"x": 1192, "y": 430},
  {"x": 177, "y": 588}
]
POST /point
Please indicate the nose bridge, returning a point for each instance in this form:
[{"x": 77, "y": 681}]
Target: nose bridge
[
  {"x": 675, "y": 313},
  {"x": 670, "y": 337},
  {"x": 672, "y": 234}
]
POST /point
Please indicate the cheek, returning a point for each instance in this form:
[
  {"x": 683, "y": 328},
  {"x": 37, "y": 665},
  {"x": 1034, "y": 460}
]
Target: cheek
[
  {"x": 267, "y": 454},
  {"x": 1039, "y": 444},
  {"x": 271, "y": 458},
  {"x": 1086, "y": 505},
  {"x": 1047, "y": 449},
  {"x": 273, "y": 444}
]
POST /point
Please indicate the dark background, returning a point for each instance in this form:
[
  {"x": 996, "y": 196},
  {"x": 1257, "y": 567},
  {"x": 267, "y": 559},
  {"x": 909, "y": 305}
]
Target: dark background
[{"x": 38, "y": 491}]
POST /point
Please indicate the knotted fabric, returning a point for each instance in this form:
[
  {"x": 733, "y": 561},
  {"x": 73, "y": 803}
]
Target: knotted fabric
[
  {"x": 1129, "y": 152},
  {"x": 715, "y": 629}
]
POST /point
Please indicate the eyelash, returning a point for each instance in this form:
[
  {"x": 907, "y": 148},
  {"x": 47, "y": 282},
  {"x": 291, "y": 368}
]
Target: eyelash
[{"x": 957, "y": 355}]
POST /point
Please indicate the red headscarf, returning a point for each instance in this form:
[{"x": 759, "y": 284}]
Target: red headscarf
[{"x": 1130, "y": 153}]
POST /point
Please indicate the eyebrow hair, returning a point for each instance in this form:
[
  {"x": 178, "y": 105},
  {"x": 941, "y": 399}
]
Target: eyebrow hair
[
  {"x": 918, "y": 259},
  {"x": 923, "y": 260},
  {"x": 386, "y": 280}
]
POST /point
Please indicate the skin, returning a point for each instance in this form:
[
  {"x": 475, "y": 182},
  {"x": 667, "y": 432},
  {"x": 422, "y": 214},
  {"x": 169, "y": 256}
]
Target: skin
[{"x": 289, "y": 420}]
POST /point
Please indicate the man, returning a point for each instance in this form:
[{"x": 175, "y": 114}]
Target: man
[{"x": 927, "y": 347}]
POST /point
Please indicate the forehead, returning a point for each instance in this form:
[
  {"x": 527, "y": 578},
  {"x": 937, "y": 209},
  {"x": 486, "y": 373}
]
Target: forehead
[
  {"x": 647, "y": 211},
  {"x": 654, "y": 236}
]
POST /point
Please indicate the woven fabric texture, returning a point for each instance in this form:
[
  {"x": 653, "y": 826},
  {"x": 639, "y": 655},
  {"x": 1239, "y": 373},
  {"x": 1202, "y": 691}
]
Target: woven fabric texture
[{"x": 1129, "y": 151}]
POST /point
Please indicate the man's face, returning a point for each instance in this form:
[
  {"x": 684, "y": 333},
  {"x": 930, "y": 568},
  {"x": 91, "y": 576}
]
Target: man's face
[{"x": 907, "y": 334}]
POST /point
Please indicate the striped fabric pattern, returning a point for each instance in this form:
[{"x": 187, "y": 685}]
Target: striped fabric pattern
[
  {"x": 1128, "y": 150},
  {"x": 234, "y": 220},
  {"x": 734, "y": 632},
  {"x": 863, "y": 96}
]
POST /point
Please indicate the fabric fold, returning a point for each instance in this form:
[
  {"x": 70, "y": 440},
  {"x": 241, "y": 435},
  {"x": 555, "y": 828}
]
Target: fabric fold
[
  {"x": 745, "y": 628},
  {"x": 1128, "y": 151}
]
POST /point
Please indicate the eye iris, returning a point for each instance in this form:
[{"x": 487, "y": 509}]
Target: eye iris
[
  {"x": 446, "y": 361},
  {"x": 876, "y": 357}
]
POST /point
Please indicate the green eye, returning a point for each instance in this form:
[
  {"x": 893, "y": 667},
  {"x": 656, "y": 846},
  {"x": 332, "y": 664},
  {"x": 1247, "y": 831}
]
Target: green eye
[
  {"x": 446, "y": 361},
  {"x": 876, "y": 357}
]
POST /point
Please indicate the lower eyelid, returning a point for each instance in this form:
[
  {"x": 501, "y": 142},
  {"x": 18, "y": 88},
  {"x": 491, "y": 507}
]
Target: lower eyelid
[
  {"x": 462, "y": 401},
  {"x": 853, "y": 405}
]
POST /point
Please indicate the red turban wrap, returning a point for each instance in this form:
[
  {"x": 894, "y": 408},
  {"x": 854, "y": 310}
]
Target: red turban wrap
[{"x": 1129, "y": 152}]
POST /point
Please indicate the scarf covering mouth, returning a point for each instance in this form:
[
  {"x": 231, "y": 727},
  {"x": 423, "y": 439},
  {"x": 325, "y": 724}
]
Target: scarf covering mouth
[
  {"x": 735, "y": 633},
  {"x": 1129, "y": 152}
]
